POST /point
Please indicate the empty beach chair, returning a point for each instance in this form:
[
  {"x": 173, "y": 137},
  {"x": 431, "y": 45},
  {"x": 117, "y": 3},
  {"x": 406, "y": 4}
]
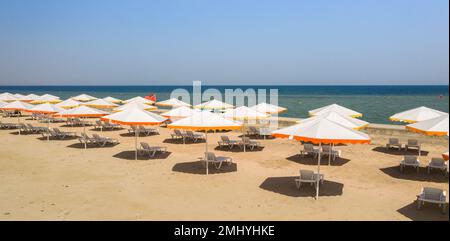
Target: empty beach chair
[
  {"x": 309, "y": 149},
  {"x": 394, "y": 142},
  {"x": 308, "y": 176},
  {"x": 437, "y": 163},
  {"x": 247, "y": 142},
  {"x": 151, "y": 150},
  {"x": 85, "y": 139},
  {"x": 148, "y": 130},
  {"x": 432, "y": 195},
  {"x": 225, "y": 141},
  {"x": 217, "y": 161},
  {"x": 111, "y": 126},
  {"x": 63, "y": 134},
  {"x": 410, "y": 161},
  {"x": 195, "y": 136},
  {"x": 252, "y": 131},
  {"x": 103, "y": 141},
  {"x": 177, "y": 134},
  {"x": 326, "y": 150},
  {"x": 37, "y": 129},
  {"x": 412, "y": 143}
]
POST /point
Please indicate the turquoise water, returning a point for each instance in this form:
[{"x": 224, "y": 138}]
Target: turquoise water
[{"x": 377, "y": 103}]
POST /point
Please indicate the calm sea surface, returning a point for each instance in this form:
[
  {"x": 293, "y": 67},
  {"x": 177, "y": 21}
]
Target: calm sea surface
[{"x": 377, "y": 103}]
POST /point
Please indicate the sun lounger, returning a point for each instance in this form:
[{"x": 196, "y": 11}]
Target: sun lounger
[
  {"x": 437, "y": 163},
  {"x": 326, "y": 150},
  {"x": 177, "y": 134},
  {"x": 412, "y": 144},
  {"x": 194, "y": 136},
  {"x": 37, "y": 129},
  {"x": 63, "y": 134},
  {"x": 225, "y": 141},
  {"x": 410, "y": 161},
  {"x": 246, "y": 141},
  {"x": 432, "y": 195},
  {"x": 394, "y": 142},
  {"x": 252, "y": 131},
  {"x": 78, "y": 122},
  {"x": 217, "y": 161},
  {"x": 309, "y": 149},
  {"x": 308, "y": 176},
  {"x": 9, "y": 125},
  {"x": 148, "y": 131},
  {"x": 151, "y": 150},
  {"x": 103, "y": 141},
  {"x": 86, "y": 140}
]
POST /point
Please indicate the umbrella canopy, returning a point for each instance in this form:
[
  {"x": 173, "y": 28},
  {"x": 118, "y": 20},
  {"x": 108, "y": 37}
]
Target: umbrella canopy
[
  {"x": 433, "y": 127},
  {"x": 2, "y": 103},
  {"x": 173, "y": 103},
  {"x": 322, "y": 130},
  {"x": 445, "y": 156},
  {"x": 7, "y": 97},
  {"x": 244, "y": 113},
  {"x": 46, "y": 98},
  {"x": 81, "y": 111},
  {"x": 83, "y": 98},
  {"x": 214, "y": 105},
  {"x": 418, "y": 114},
  {"x": 18, "y": 96},
  {"x": 69, "y": 103},
  {"x": 134, "y": 105},
  {"x": 346, "y": 121},
  {"x": 335, "y": 108},
  {"x": 100, "y": 103},
  {"x": 112, "y": 100},
  {"x": 268, "y": 108},
  {"x": 29, "y": 98},
  {"x": 205, "y": 121},
  {"x": 180, "y": 112},
  {"x": 45, "y": 108},
  {"x": 140, "y": 100},
  {"x": 17, "y": 105}
]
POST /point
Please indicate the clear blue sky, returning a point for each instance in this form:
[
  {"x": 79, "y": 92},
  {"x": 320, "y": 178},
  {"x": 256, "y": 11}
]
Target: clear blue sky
[{"x": 103, "y": 42}]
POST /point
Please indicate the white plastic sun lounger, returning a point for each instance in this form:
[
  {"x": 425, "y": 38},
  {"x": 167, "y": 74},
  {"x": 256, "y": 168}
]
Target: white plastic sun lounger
[
  {"x": 432, "y": 195},
  {"x": 410, "y": 161}
]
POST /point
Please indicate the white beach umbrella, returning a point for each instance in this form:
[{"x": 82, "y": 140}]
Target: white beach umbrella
[
  {"x": 135, "y": 104},
  {"x": 433, "y": 127},
  {"x": 18, "y": 96},
  {"x": 335, "y": 108},
  {"x": 268, "y": 108},
  {"x": 112, "y": 100},
  {"x": 46, "y": 108},
  {"x": 101, "y": 104},
  {"x": 214, "y": 105},
  {"x": 7, "y": 97},
  {"x": 178, "y": 113},
  {"x": 344, "y": 120},
  {"x": 47, "y": 98},
  {"x": 173, "y": 103},
  {"x": 140, "y": 100},
  {"x": 205, "y": 121},
  {"x": 417, "y": 114},
  {"x": 69, "y": 103},
  {"x": 2, "y": 103},
  {"x": 133, "y": 117},
  {"x": 16, "y": 106},
  {"x": 83, "y": 98},
  {"x": 322, "y": 131},
  {"x": 29, "y": 98}
]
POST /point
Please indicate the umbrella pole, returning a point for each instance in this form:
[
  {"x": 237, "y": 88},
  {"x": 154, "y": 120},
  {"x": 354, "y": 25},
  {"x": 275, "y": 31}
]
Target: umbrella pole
[
  {"x": 206, "y": 152},
  {"x": 84, "y": 131},
  {"x": 243, "y": 134},
  {"x": 48, "y": 129},
  {"x": 318, "y": 171},
  {"x": 329, "y": 154},
  {"x": 135, "y": 142},
  {"x": 18, "y": 122}
]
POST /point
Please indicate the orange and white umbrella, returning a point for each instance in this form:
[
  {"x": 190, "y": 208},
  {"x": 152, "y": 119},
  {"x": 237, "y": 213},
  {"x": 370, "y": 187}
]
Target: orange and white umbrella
[
  {"x": 134, "y": 105},
  {"x": 322, "y": 131},
  {"x": 18, "y": 96},
  {"x": 268, "y": 108},
  {"x": 346, "y": 121},
  {"x": 112, "y": 100},
  {"x": 46, "y": 108},
  {"x": 173, "y": 103},
  {"x": 83, "y": 98},
  {"x": 140, "y": 100},
  {"x": 7, "y": 97},
  {"x": 335, "y": 108},
  {"x": 47, "y": 98},
  {"x": 179, "y": 113},
  {"x": 433, "y": 127},
  {"x": 101, "y": 104},
  {"x": 205, "y": 121},
  {"x": 418, "y": 114},
  {"x": 135, "y": 116},
  {"x": 17, "y": 106},
  {"x": 2, "y": 103},
  {"x": 214, "y": 105},
  {"x": 29, "y": 98},
  {"x": 68, "y": 104}
]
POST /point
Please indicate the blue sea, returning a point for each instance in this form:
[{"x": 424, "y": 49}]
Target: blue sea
[{"x": 377, "y": 103}]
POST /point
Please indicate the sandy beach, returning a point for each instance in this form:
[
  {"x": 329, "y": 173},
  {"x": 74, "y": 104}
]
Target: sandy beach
[{"x": 59, "y": 180}]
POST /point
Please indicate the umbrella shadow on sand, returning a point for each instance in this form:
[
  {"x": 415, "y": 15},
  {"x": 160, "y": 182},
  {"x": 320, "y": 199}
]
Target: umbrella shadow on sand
[
  {"x": 286, "y": 186},
  {"x": 312, "y": 161},
  {"x": 180, "y": 141},
  {"x": 392, "y": 151},
  {"x": 141, "y": 134},
  {"x": 131, "y": 155},
  {"x": 90, "y": 146},
  {"x": 412, "y": 175},
  {"x": 238, "y": 149},
  {"x": 429, "y": 212},
  {"x": 198, "y": 167}
]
